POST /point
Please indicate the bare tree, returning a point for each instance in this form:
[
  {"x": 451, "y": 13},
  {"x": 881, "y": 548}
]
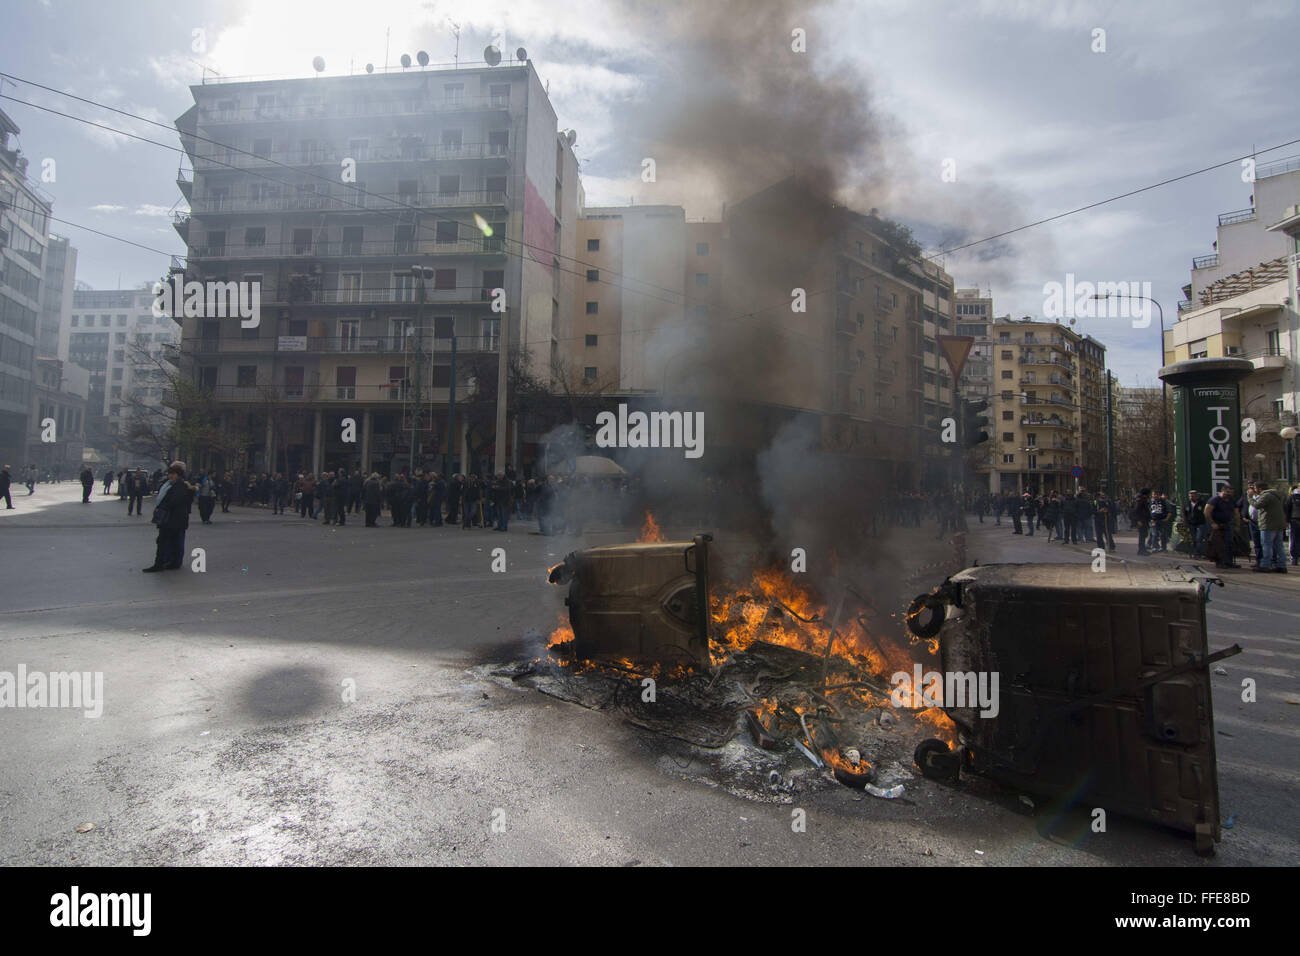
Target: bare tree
[{"x": 1143, "y": 425}]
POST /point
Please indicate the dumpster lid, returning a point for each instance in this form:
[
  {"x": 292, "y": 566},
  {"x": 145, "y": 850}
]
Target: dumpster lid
[{"x": 1081, "y": 577}]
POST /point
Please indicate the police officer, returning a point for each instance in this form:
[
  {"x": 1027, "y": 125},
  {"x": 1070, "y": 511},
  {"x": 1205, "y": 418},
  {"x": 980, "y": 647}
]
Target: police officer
[{"x": 1291, "y": 506}]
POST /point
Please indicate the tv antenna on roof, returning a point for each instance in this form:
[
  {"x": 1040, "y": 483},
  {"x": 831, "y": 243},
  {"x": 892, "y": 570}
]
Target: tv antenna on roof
[{"x": 455, "y": 30}]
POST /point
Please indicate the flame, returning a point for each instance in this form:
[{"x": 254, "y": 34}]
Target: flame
[
  {"x": 939, "y": 722},
  {"x": 650, "y": 532},
  {"x": 562, "y": 634}
]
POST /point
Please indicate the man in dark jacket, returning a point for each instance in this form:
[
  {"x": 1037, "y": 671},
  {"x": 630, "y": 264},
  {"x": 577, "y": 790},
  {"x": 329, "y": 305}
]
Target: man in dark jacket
[
  {"x": 1291, "y": 507},
  {"x": 437, "y": 492},
  {"x": 421, "y": 498},
  {"x": 6, "y": 479},
  {"x": 1141, "y": 517},
  {"x": 136, "y": 490},
  {"x": 1197, "y": 527},
  {"x": 1103, "y": 521},
  {"x": 342, "y": 491},
  {"x": 1030, "y": 510},
  {"x": 87, "y": 484},
  {"x": 1070, "y": 519},
  {"x": 172, "y": 516},
  {"x": 372, "y": 494},
  {"x": 455, "y": 491}
]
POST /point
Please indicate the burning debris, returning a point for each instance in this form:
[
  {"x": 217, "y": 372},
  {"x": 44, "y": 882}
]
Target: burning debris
[{"x": 766, "y": 667}]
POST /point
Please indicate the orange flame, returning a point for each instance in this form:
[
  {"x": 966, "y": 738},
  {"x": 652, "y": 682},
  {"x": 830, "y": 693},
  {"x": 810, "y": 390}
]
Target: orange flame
[{"x": 650, "y": 532}]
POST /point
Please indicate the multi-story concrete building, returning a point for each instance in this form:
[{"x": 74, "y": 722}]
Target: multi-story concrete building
[
  {"x": 329, "y": 192},
  {"x": 1243, "y": 239},
  {"x": 58, "y": 397},
  {"x": 786, "y": 307},
  {"x": 24, "y": 216},
  {"x": 56, "y": 301},
  {"x": 974, "y": 315},
  {"x": 114, "y": 335},
  {"x": 1047, "y": 413}
]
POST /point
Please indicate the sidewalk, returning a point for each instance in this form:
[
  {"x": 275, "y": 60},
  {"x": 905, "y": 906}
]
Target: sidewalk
[{"x": 988, "y": 539}]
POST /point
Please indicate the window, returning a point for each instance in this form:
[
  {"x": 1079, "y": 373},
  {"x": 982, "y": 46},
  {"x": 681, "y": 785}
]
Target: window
[
  {"x": 589, "y": 373},
  {"x": 1031, "y": 439},
  {"x": 593, "y": 275},
  {"x": 208, "y": 376},
  {"x": 1006, "y": 355},
  {"x": 451, "y": 140},
  {"x": 255, "y": 237},
  {"x": 860, "y": 249},
  {"x": 116, "y": 392},
  {"x": 1004, "y": 336},
  {"x": 294, "y": 375},
  {"x": 447, "y": 230},
  {"x": 498, "y": 142},
  {"x": 121, "y": 320},
  {"x": 301, "y": 241},
  {"x": 246, "y": 376},
  {"x": 593, "y": 245},
  {"x": 448, "y": 185},
  {"x": 1007, "y": 374},
  {"x": 1274, "y": 339},
  {"x": 352, "y": 239},
  {"x": 404, "y": 239},
  {"x": 404, "y": 288},
  {"x": 701, "y": 248},
  {"x": 105, "y": 321},
  {"x": 442, "y": 376},
  {"x": 119, "y": 355},
  {"x": 701, "y": 280},
  {"x": 591, "y": 341},
  {"x": 496, "y": 188},
  {"x": 345, "y": 381},
  {"x": 349, "y": 335},
  {"x": 444, "y": 278},
  {"x": 862, "y": 398},
  {"x": 75, "y": 319},
  {"x": 453, "y": 94},
  {"x": 491, "y": 334},
  {"x": 1008, "y": 459},
  {"x": 701, "y": 311},
  {"x": 593, "y": 308},
  {"x": 444, "y": 327},
  {"x": 1008, "y": 436},
  {"x": 119, "y": 338},
  {"x": 1008, "y": 416}
]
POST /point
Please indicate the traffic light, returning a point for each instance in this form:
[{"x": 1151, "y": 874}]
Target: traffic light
[{"x": 973, "y": 423}]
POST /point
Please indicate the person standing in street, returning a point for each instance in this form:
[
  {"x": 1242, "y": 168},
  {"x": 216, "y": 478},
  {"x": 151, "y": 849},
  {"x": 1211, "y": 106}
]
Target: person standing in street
[
  {"x": 31, "y": 479},
  {"x": 1030, "y": 510},
  {"x": 1141, "y": 518},
  {"x": 1291, "y": 510},
  {"x": 372, "y": 497},
  {"x": 1070, "y": 519},
  {"x": 437, "y": 492},
  {"x": 1013, "y": 512},
  {"x": 1220, "y": 512},
  {"x": 87, "y": 484},
  {"x": 1103, "y": 528},
  {"x": 6, "y": 479},
  {"x": 1270, "y": 515},
  {"x": 1197, "y": 526},
  {"x": 139, "y": 484},
  {"x": 341, "y": 493},
  {"x": 171, "y": 514},
  {"x": 207, "y": 498}
]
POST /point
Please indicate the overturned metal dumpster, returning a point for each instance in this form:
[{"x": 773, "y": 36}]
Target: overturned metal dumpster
[
  {"x": 1104, "y": 687},
  {"x": 644, "y": 603}
]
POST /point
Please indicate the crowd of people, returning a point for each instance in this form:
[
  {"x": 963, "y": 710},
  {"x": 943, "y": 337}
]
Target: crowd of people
[{"x": 1217, "y": 527}]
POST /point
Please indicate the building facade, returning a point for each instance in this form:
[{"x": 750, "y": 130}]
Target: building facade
[
  {"x": 24, "y": 217},
  {"x": 1048, "y": 411},
  {"x": 58, "y": 401},
  {"x": 327, "y": 193}
]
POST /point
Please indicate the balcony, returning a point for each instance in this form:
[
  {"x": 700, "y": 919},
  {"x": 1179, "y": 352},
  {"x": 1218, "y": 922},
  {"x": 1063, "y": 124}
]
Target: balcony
[
  {"x": 1269, "y": 358},
  {"x": 1044, "y": 360},
  {"x": 335, "y": 248},
  {"x": 884, "y": 376},
  {"x": 310, "y": 202},
  {"x": 883, "y": 342},
  {"x": 1205, "y": 262},
  {"x": 354, "y": 109},
  {"x": 327, "y": 345},
  {"x": 1030, "y": 422},
  {"x": 328, "y": 394},
  {"x": 1240, "y": 215},
  {"x": 1187, "y": 306},
  {"x": 334, "y": 156}
]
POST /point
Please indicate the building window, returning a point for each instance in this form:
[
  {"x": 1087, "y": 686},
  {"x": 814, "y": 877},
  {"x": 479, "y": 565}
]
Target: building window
[
  {"x": 1008, "y": 373},
  {"x": 1006, "y": 355},
  {"x": 701, "y": 248},
  {"x": 444, "y": 278},
  {"x": 75, "y": 319},
  {"x": 593, "y": 308},
  {"x": 1008, "y": 416},
  {"x": 589, "y": 373},
  {"x": 255, "y": 236},
  {"x": 1008, "y": 459},
  {"x": 1008, "y": 436},
  {"x": 593, "y": 245},
  {"x": 701, "y": 280},
  {"x": 119, "y": 338},
  {"x": 701, "y": 311},
  {"x": 453, "y": 94},
  {"x": 593, "y": 275},
  {"x": 447, "y": 230},
  {"x": 116, "y": 392},
  {"x": 591, "y": 341},
  {"x": 246, "y": 376}
]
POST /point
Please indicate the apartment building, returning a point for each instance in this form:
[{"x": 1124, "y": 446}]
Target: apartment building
[
  {"x": 56, "y": 301},
  {"x": 332, "y": 193},
  {"x": 1047, "y": 415},
  {"x": 1243, "y": 238},
  {"x": 128, "y": 352},
  {"x": 24, "y": 216},
  {"x": 59, "y": 396},
  {"x": 974, "y": 315},
  {"x": 788, "y": 306}
]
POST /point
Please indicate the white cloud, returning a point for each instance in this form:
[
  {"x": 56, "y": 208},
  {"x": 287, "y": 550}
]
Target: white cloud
[
  {"x": 106, "y": 207},
  {"x": 150, "y": 209}
]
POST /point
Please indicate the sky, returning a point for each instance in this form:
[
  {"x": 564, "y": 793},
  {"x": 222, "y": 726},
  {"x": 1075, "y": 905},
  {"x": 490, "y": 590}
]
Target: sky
[{"x": 1014, "y": 98}]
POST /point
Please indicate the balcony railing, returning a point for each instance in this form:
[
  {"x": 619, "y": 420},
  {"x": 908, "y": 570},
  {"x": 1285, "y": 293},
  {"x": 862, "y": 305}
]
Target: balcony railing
[
  {"x": 372, "y": 394},
  {"x": 1205, "y": 262},
  {"x": 310, "y": 202},
  {"x": 337, "y": 248},
  {"x": 1239, "y": 215},
  {"x": 360, "y": 345},
  {"x": 1045, "y": 422},
  {"x": 355, "y": 108},
  {"x": 334, "y": 156}
]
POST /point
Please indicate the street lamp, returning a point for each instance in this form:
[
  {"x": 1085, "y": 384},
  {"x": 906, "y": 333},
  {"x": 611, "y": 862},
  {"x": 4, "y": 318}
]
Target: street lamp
[
  {"x": 1164, "y": 389},
  {"x": 1289, "y": 434}
]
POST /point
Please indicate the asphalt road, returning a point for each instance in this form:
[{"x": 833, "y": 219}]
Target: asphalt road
[{"x": 229, "y": 732}]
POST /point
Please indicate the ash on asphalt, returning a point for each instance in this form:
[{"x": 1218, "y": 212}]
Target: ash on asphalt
[{"x": 696, "y": 729}]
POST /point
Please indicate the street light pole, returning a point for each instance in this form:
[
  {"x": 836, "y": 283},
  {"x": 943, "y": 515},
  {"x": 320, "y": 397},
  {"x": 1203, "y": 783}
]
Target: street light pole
[
  {"x": 420, "y": 273},
  {"x": 1164, "y": 389}
]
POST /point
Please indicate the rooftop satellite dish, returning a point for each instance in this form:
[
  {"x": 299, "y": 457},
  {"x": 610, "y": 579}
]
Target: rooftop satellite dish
[
  {"x": 406, "y": 60},
  {"x": 492, "y": 55},
  {"x": 319, "y": 64},
  {"x": 422, "y": 58},
  {"x": 521, "y": 54},
  {"x": 570, "y": 136},
  {"x": 370, "y": 68}
]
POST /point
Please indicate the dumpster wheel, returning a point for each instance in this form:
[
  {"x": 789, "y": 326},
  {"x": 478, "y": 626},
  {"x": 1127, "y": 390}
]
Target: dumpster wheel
[{"x": 937, "y": 761}]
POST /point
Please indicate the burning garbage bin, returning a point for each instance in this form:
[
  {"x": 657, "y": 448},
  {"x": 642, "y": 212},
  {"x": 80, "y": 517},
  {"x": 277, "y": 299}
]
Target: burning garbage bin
[
  {"x": 1103, "y": 686},
  {"x": 644, "y": 603}
]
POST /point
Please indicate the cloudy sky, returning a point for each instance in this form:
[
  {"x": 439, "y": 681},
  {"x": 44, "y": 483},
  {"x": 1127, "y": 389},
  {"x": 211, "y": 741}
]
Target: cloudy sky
[{"x": 1011, "y": 96}]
